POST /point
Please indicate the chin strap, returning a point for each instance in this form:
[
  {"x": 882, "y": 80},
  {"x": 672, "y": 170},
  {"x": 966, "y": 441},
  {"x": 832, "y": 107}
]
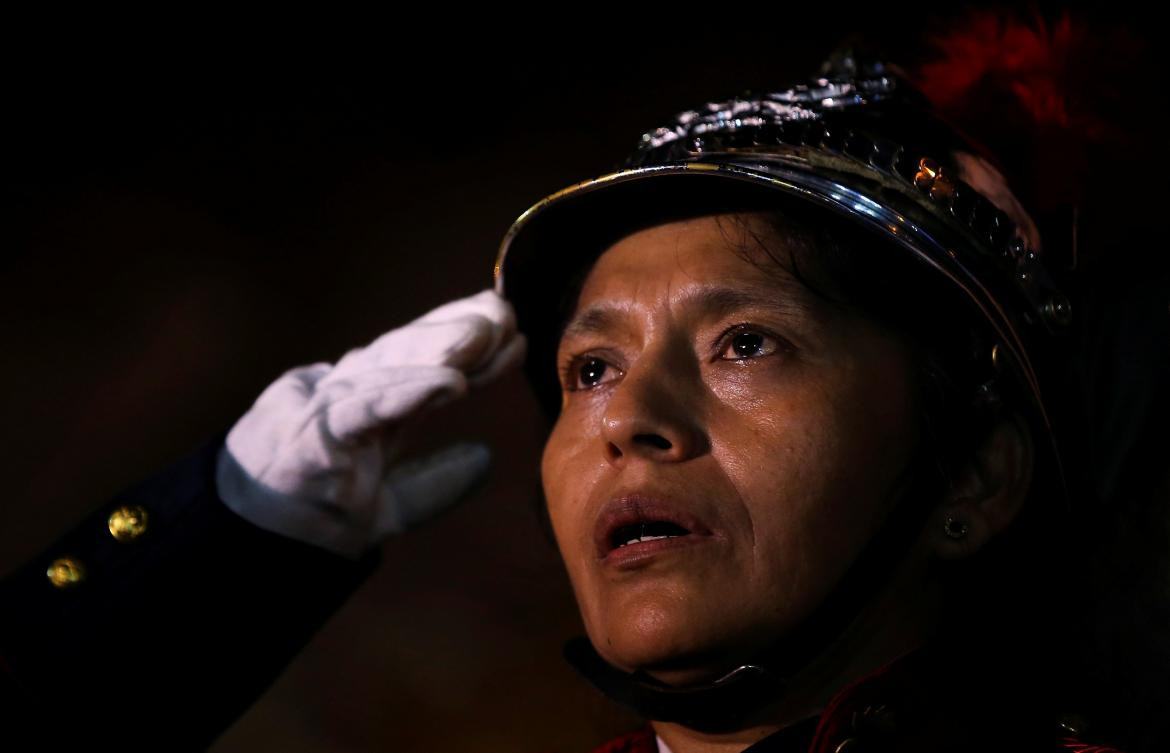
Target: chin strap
[
  {"x": 711, "y": 706},
  {"x": 728, "y": 701}
]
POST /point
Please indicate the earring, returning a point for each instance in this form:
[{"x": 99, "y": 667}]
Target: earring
[{"x": 956, "y": 528}]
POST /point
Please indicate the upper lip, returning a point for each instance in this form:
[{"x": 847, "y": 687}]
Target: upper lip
[{"x": 641, "y": 507}]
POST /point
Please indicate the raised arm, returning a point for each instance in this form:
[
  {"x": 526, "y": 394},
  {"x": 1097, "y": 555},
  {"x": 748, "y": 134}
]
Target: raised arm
[{"x": 160, "y": 618}]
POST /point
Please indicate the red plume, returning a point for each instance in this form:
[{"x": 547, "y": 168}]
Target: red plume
[
  {"x": 1032, "y": 62},
  {"x": 1039, "y": 93}
]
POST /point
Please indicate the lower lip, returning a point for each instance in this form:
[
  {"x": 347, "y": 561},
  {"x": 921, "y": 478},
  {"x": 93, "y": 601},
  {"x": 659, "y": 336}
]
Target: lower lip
[{"x": 633, "y": 556}]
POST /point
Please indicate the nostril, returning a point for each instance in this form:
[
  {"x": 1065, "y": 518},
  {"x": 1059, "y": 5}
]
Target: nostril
[{"x": 656, "y": 440}]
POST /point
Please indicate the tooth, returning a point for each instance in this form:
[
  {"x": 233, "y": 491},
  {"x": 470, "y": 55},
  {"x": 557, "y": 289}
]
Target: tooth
[{"x": 652, "y": 538}]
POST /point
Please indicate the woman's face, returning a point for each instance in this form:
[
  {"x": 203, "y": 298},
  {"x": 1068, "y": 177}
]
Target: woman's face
[{"x": 760, "y": 429}]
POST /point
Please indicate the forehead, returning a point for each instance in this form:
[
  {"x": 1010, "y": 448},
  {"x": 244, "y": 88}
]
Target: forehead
[
  {"x": 681, "y": 258},
  {"x": 712, "y": 265},
  {"x": 710, "y": 246}
]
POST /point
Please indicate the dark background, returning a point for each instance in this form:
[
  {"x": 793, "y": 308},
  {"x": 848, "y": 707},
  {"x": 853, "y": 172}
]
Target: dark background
[{"x": 184, "y": 221}]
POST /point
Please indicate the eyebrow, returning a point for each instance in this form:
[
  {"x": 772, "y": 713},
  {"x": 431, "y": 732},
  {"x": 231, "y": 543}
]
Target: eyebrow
[{"x": 711, "y": 301}]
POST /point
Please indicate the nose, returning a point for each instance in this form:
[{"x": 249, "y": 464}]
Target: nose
[{"x": 655, "y": 411}]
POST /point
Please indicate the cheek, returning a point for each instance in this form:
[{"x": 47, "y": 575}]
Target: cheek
[
  {"x": 563, "y": 480},
  {"x": 551, "y": 479},
  {"x": 814, "y": 467},
  {"x": 786, "y": 472},
  {"x": 563, "y": 484},
  {"x": 871, "y": 441}
]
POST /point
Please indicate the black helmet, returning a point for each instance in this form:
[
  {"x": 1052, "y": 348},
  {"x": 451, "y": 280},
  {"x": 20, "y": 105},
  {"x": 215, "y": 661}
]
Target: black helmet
[{"x": 859, "y": 142}]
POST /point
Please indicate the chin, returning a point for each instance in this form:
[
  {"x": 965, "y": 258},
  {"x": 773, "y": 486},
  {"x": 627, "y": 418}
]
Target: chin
[{"x": 671, "y": 647}]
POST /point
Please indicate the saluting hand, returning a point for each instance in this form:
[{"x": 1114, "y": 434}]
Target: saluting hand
[{"x": 313, "y": 459}]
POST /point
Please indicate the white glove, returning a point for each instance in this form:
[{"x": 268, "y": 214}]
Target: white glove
[{"x": 311, "y": 459}]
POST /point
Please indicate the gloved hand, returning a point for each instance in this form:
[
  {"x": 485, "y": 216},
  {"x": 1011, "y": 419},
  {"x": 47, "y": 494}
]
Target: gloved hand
[{"x": 313, "y": 458}]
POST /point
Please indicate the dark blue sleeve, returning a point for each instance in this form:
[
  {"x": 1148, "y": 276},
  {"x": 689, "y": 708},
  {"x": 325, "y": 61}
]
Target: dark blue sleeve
[{"x": 169, "y": 636}]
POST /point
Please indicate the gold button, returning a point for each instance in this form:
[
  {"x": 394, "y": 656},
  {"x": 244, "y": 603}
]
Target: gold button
[
  {"x": 128, "y": 522},
  {"x": 65, "y": 572}
]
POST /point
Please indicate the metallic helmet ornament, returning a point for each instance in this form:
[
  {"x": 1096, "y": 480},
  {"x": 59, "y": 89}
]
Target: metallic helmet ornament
[{"x": 859, "y": 142}]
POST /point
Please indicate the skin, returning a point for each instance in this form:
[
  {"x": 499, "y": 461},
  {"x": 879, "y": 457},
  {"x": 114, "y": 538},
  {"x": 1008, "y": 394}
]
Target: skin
[{"x": 787, "y": 438}]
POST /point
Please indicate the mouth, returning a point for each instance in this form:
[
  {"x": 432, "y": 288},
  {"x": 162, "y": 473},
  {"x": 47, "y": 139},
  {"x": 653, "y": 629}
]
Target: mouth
[
  {"x": 650, "y": 530},
  {"x": 633, "y": 527}
]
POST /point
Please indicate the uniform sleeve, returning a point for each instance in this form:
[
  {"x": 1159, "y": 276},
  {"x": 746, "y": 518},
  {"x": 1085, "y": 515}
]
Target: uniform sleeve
[{"x": 159, "y": 619}]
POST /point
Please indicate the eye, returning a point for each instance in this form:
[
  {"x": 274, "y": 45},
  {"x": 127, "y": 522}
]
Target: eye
[
  {"x": 584, "y": 372},
  {"x": 747, "y": 341}
]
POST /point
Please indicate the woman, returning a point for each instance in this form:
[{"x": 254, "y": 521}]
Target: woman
[
  {"x": 802, "y": 405},
  {"x": 802, "y": 448}
]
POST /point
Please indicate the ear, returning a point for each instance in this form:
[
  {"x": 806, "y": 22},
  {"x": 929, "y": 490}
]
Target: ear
[{"x": 989, "y": 492}]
